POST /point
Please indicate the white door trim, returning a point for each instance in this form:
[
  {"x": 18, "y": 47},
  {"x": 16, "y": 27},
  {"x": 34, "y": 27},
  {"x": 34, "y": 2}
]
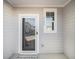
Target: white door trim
[{"x": 20, "y": 34}]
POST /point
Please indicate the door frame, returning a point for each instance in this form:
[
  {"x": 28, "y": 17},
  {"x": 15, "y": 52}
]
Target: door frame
[{"x": 20, "y": 16}]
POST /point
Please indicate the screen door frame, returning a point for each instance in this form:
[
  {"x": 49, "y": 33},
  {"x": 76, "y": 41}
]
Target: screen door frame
[{"x": 36, "y": 16}]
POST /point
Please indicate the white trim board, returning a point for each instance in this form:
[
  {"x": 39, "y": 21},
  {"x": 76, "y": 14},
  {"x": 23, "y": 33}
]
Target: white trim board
[
  {"x": 66, "y": 3},
  {"x": 38, "y": 5}
]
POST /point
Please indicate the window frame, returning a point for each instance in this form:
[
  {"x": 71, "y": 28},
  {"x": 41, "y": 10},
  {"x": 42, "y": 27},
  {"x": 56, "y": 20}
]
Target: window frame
[{"x": 55, "y": 19}]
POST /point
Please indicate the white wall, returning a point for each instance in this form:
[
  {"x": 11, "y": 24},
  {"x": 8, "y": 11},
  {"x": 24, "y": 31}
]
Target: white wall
[
  {"x": 9, "y": 31},
  {"x": 53, "y": 42},
  {"x": 68, "y": 29}
]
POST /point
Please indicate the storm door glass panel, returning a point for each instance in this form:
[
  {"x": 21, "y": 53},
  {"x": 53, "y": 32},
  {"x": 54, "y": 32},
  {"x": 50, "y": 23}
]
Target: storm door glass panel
[{"x": 28, "y": 34}]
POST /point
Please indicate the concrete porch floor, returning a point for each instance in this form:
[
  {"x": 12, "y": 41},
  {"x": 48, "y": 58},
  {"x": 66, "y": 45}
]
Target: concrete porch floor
[
  {"x": 52, "y": 56},
  {"x": 41, "y": 56}
]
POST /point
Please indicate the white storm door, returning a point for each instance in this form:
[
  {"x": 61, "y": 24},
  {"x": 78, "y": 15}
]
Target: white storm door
[{"x": 29, "y": 33}]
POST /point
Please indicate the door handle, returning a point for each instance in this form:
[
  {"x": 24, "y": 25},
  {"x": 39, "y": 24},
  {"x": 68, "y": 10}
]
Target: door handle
[{"x": 37, "y": 33}]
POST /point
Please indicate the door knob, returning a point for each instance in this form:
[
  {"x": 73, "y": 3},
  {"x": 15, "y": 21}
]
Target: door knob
[{"x": 36, "y": 32}]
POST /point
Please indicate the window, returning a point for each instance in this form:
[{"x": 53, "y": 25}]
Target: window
[{"x": 50, "y": 19}]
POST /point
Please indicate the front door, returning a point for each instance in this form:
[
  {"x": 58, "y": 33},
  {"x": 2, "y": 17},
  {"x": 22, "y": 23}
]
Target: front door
[{"x": 29, "y": 36}]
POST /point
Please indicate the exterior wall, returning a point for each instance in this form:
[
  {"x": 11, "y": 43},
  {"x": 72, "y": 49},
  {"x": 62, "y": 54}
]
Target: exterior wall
[
  {"x": 9, "y": 31},
  {"x": 49, "y": 42},
  {"x": 69, "y": 29}
]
